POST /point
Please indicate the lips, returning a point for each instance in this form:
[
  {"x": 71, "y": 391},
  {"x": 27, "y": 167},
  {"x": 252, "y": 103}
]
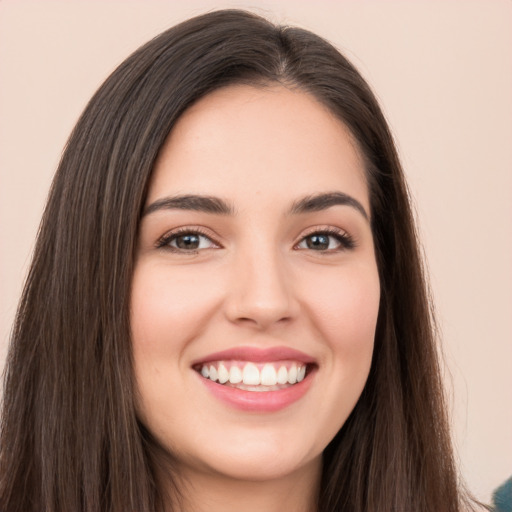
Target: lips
[
  {"x": 258, "y": 355},
  {"x": 256, "y": 379}
]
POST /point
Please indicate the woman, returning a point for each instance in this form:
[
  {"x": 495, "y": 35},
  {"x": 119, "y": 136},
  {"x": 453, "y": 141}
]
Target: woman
[{"x": 226, "y": 306}]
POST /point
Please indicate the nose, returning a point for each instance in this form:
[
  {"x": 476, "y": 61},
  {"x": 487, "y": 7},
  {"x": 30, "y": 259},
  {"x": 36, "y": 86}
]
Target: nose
[{"x": 261, "y": 292}]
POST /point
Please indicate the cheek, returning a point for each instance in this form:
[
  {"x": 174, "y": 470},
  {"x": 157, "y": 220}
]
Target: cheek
[
  {"x": 345, "y": 309},
  {"x": 166, "y": 302},
  {"x": 168, "y": 307}
]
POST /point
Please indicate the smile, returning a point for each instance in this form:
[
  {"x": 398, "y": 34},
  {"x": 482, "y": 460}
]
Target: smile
[
  {"x": 252, "y": 376},
  {"x": 255, "y": 379}
]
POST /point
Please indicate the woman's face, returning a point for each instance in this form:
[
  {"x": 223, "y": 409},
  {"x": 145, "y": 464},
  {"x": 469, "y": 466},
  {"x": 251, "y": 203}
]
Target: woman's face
[{"x": 255, "y": 293}]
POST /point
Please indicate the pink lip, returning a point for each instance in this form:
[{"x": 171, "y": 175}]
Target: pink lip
[
  {"x": 257, "y": 355},
  {"x": 259, "y": 401}
]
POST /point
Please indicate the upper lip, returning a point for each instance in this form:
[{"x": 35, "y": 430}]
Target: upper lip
[{"x": 257, "y": 355}]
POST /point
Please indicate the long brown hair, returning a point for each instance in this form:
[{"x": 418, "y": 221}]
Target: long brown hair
[{"x": 71, "y": 439}]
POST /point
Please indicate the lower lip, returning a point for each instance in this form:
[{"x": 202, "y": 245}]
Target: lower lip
[{"x": 259, "y": 401}]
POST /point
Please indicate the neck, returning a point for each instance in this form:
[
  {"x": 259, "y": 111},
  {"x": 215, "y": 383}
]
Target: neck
[{"x": 209, "y": 492}]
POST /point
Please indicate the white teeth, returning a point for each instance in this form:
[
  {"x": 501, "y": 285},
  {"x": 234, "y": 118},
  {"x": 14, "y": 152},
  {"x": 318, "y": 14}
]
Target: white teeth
[
  {"x": 251, "y": 374},
  {"x": 292, "y": 374},
  {"x": 268, "y": 375},
  {"x": 223, "y": 374},
  {"x": 235, "y": 375},
  {"x": 282, "y": 375}
]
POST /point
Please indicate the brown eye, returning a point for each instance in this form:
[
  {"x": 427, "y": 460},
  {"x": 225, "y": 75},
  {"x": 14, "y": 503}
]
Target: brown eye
[
  {"x": 186, "y": 241},
  {"x": 326, "y": 241},
  {"x": 318, "y": 242}
]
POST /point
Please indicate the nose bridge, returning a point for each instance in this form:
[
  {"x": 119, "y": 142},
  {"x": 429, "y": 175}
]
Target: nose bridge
[{"x": 261, "y": 290}]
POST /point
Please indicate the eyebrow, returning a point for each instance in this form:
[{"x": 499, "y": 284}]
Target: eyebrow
[
  {"x": 217, "y": 206},
  {"x": 318, "y": 202},
  {"x": 207, "y": 204}
]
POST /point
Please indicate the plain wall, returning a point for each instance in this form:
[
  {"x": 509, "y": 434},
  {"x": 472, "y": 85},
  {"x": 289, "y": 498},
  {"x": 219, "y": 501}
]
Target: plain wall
[{"x": 443, "y": 73}]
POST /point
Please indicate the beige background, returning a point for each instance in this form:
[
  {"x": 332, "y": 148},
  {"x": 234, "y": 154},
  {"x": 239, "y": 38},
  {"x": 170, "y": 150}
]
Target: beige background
[{"x": 443, "y": 73}]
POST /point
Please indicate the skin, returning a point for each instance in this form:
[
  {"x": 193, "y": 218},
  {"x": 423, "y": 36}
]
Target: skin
[{"x": 253, "y": 281}]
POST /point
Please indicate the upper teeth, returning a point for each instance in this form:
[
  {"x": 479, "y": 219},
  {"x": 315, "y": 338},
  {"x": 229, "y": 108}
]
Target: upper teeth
[{"x": 251, "y": 374}]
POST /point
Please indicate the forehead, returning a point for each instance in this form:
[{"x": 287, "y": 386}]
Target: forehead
[{"x": 244, "y": 142}]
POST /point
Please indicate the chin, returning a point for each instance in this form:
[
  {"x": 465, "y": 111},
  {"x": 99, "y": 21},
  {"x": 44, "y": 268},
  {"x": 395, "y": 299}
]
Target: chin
[
  {"x": 256, "y": 460},
  {"x": 260, "y": 469}
]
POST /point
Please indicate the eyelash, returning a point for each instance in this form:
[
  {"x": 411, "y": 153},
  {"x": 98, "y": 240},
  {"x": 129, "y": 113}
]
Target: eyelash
[
  {"x": 346, "y": 242},
  {"x": 165, "y": 241}
]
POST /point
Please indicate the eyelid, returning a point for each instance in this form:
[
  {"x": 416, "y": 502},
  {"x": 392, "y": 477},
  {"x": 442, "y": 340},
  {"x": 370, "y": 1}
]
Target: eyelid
[
  {"x": 346, "y": 241},
  {"x": 164, "y": 241}
]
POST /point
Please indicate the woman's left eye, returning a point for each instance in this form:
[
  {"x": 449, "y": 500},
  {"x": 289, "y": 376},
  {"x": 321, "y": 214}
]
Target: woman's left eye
[
  {"x": 187, "y": 241},
  {"x": 326, "y": 242}
]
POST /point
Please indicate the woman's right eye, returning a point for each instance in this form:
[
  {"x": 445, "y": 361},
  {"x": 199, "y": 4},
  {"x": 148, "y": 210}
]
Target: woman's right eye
[{"x": 186, "y": 241}]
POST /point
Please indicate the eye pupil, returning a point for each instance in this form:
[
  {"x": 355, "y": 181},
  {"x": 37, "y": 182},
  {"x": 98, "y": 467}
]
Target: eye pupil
[
  {"x": 318, "y": 242},
  {"x": 189, "y": 241}
]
